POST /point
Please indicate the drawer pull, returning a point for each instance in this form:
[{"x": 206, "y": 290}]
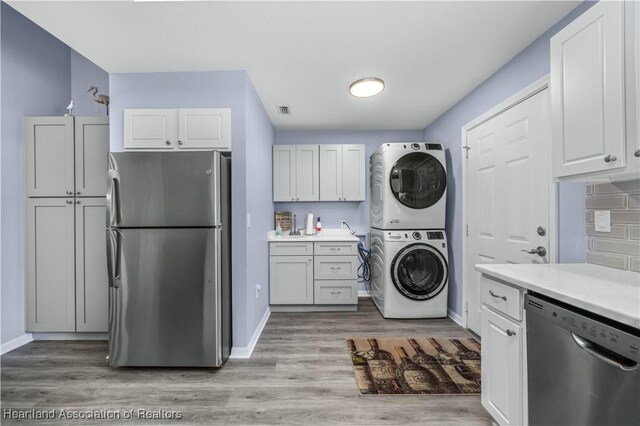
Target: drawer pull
[
  {"x": 335, "y": 248},
  {"x": 511, "y": 333},
  {"x": 499, "y": 297},
  {"x": 336, "y": 293},
  {"x": 335, "y": 268}
]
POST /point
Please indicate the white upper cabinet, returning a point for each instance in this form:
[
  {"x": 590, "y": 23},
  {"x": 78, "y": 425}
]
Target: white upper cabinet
[
  {"x": 318, "y": 173},
  {"x": 204, "y": 128},
  {"x": 342, "y": 169},
  {"x": 176, "y": 129},
  {"x": 331, "y": 172},
  {"x": 153, "y": 129},
  {"x": 353, "y": 173},
  {"x": 284, "y": 173},
  {"x": 307, "y": 173},
  {"x": 592, "y": 111}
]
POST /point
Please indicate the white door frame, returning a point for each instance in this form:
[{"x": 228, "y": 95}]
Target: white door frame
[{"x": 510, "y": 102}]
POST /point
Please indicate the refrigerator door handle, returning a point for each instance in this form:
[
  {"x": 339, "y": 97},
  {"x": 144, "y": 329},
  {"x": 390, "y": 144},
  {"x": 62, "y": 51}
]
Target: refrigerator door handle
[
  {"x": 114, "y": 214},
  {"x": 113, "y": 256}
]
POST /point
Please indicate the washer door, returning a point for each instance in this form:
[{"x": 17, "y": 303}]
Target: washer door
[
  {"x": 418, "y": 180},
  {"x": 419, "y": 271}
]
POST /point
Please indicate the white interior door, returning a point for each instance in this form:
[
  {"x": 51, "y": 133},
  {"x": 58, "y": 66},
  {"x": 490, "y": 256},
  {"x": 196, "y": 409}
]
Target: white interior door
[{"x": 508, "y": 186}]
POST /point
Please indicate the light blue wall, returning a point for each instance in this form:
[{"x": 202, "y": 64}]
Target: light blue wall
[
  {"x": 251, "y": 137},
  {"x": 85, "y": 73},
  {"x": 35, "y": 80},
  {"x": 528, "y": 66},
  {"x": 355, "y": 213},
  {"x": 260, "y": 136}
]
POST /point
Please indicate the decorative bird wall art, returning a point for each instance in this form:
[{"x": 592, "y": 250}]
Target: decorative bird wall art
[{"x": 101, "y": 99}]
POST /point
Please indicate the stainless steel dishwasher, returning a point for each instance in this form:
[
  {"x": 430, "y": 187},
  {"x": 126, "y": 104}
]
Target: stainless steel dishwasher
[{"x": 582, "y": 369}]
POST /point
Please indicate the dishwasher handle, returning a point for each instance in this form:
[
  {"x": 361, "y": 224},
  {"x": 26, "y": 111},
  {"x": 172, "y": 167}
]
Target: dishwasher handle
[{"x": 602, "y": 354}]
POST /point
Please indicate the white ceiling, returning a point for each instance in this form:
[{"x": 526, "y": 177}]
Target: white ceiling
[{"x": 305, "y": 54}]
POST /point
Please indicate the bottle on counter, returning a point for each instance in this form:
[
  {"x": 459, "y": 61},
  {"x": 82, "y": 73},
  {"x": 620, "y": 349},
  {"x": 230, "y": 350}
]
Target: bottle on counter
[
  {"x": 278, "y": 230},
  {"x": 318, "y": 226}
]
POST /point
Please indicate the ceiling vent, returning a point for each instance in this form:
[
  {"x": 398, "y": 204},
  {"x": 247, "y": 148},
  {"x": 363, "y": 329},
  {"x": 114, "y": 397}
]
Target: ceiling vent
[{"x": 284, "y": 109}]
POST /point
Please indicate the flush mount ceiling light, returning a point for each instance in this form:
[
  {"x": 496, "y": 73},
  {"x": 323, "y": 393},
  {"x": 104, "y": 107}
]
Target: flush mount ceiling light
[{"x": 366, "y": 87}]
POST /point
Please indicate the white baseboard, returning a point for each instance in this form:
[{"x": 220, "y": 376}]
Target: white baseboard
[
  {"x": 15, "y": 343},
  {"x": 364, "y": 293},
  {"x": 455, "y": 317},
  {"x": 244, "y": 352},
  {"x": 70, "y": 336}
]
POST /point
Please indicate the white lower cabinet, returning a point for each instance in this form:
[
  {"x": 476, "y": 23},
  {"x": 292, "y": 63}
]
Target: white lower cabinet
[
  {"x": 67, "y": 287},
  {"x": 503, "y": 355},
  {"x": 291, "y": 280},
  {"x": 301, "y": 280}
]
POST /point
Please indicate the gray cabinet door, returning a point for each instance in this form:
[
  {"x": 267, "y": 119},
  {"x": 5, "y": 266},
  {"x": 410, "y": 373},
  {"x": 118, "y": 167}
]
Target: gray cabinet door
[
  {"x": 49, "y": 156},
  {"x": 91, "y": 148},
  {"x": 291, "y": 280},
  {"x": 92, "y": 286},
  {"x": 50, "y": 265}
]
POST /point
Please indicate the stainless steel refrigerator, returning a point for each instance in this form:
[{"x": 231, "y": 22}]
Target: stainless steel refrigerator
[{"x": 168, "y": 249}]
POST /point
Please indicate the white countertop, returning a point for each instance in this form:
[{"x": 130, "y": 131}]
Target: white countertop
[
  {"x": 609, "y": 292},
  {"x": 325, "y": 235}
]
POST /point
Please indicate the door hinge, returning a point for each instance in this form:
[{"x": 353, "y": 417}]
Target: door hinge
[
  {"x": 467, "y": 230},
  {"x": 466, "y": 307},
  {"x": 466, "y": 148}
]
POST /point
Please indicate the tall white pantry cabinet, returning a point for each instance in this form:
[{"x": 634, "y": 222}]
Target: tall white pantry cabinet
[{"x": 66, "y": 181}]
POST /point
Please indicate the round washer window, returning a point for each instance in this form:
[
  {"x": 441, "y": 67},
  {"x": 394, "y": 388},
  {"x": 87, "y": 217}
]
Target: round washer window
[
  {"x": 419, "y": 271},
  {"x": 418, "y": 180}
]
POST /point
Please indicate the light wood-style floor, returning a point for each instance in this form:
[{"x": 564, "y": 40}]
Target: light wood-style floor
[{"x": 299, "y": 373}]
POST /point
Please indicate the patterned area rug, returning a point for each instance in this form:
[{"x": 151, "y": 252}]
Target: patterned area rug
[{"x": 426, "y": 365}]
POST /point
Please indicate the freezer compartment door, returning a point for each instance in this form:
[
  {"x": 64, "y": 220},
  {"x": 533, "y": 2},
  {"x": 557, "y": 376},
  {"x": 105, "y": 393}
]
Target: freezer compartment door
[
  {"x": 164, "y": 189},
  {"x": 168, "y": 306}
]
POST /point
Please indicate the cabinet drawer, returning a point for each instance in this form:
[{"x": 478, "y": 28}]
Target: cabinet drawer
[
  {"x": 335, "y": 267},
  {"x": 335, "y": 248},
  {"x": 335, "y": 292},
  {"x": 290, "y": 248},
  {"x": 501, "y": 297}
]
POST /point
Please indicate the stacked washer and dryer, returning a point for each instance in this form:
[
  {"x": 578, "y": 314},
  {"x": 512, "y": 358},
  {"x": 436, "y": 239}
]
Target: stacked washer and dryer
[{"x": 409, "y": 268}]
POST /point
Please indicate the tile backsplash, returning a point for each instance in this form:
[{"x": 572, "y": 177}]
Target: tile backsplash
[{"x": 619, "y": 248}]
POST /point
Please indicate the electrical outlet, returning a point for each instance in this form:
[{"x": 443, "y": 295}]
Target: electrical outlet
[{"x": 258, "y": 288}]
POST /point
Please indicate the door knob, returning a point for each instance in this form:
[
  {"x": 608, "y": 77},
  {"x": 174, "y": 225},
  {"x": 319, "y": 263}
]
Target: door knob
[
  {"x": 609, "y": 158},
  {"x": 540, "y": 251}
]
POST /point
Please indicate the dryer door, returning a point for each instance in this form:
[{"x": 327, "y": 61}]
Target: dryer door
[
  {"x": 418, "y": 180},
  {"x": 419, "y": 271}
]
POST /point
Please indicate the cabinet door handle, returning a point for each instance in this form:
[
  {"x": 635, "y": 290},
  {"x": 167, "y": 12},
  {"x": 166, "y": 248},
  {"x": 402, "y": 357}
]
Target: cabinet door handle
[
  {"x": 180, "y": 143},
  {"x": 636, "y": 153},
  {"x": 69, "y": 192},
  {"x": 609, "y": 158},
  {"x": 497, "y": 295},
  {"x": 297, "y": 199},
  {"x": 167, "y": 142},
  {"x": 69, "y": 202},
  {"x": 77, "y": 192},
  {"x": 511, "y": 333},
  {"x": 310, "y": 259},
  {"x": 77, "y": 201}
]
